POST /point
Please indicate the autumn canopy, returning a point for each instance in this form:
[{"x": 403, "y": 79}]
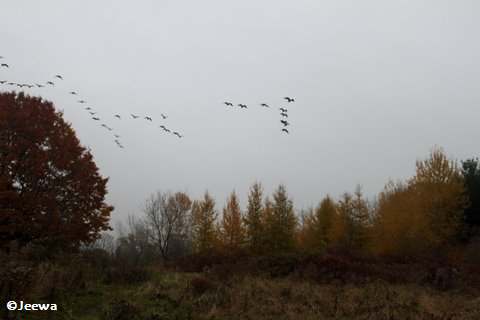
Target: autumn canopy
[{"x": 50, "y": 190}]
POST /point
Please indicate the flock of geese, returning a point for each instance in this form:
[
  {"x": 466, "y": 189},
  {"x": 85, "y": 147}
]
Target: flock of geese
[
  {"x": 283, "y": 111},
  {"x": 95, "y": 117},
  {"x": 93, "y": 113}
]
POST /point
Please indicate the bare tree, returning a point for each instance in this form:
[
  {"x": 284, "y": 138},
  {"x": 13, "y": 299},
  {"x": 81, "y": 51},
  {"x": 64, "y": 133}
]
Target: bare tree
[{"x": 167, "y": 217}]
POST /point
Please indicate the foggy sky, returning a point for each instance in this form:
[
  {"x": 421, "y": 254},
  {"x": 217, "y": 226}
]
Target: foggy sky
[{"x": 377, "y": 84}]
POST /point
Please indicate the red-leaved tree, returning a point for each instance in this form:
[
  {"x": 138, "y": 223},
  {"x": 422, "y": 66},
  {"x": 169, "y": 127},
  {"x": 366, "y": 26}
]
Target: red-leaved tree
[{"x": 50, "y": 190}]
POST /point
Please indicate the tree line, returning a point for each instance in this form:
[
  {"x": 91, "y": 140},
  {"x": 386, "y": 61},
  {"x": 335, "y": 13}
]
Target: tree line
[{"x": 435, "y": 209}]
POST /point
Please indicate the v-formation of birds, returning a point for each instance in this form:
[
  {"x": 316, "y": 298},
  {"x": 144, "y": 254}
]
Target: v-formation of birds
[
  {"x": 89, "y": 109},
  {"x": 283, "y": 111},
  {"x": 93, "y": 114}
]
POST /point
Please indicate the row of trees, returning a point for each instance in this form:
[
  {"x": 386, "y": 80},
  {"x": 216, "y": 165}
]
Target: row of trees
[{"x": 437, "y": 207}]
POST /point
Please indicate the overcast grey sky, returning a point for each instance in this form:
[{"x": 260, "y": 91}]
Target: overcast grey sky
[{"x": 377, "y": 84}]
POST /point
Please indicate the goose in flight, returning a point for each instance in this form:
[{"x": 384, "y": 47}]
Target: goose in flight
[
  {"x": 177, "y": 134},
  {"x": 265, "y": 105},
  {"x": 73, "y": 93},
  {"x": 228, "y": 104},
  {"x": 88, "y": 108},
  {"x": 92, "y": 113},
  {"x": 81, "y": 101},
  {"x": 117, "y": 116},
  {"x": 283, "y": 110},
  {"x": 163, "y": 127},
  {"x": 95, "y": 118},
  {"x": 242, "y": 106},
  {"x": 134, "y": 116},
  {"x": 58, "y": 77},
  {"x": 39, "y": 85},
  {"x": 283, "y": 114},
  {"x": 5, "y": 65},
  {"x": 285, "y": 122},
  {"x": 167, "y": 130},
  {"x": 285, "y": 130},
  {"x": 116, "y": 136},
  {"x": 50, "y": 83},
  {"x": 289, "y": 99},
  {"x": 148, "y": 118},
  {"x": 3, "y": 81},
  {"x": 163, "y": 116}
]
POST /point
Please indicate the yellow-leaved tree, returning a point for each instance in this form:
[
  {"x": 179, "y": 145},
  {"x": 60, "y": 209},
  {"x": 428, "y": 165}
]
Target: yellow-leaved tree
[
  {"x": 204, "y": 231},
  {"x": 422, "y": 214},
  {"x": 232, "y": 230}
]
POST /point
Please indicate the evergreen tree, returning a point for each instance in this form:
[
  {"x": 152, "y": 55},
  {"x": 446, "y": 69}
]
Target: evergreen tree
[
  {"x": 254, "y": 219},
  {"x": 471, "y": 175},
  {"x": 281, "y": 224}
]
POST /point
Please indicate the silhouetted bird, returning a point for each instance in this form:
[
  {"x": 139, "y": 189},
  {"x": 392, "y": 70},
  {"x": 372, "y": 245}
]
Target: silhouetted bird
[
  {"x": 265, "y": 105},
  {"x": 148, "y": 118},
  {"x": 95, "y": 118},
  {"x": 59, "y": 77},
  {"x": 92, "y": 113},
  {"x": 163, "y": 116},
  {"x": 117, "y": 116},
  {"x": 5, "y": 65},
  {"x": 134, "y": 116},
  {"x": 3, "y": 81},
  {"x": 116, "y": 136},
  {"x": 88, "y": 108},
  {"x": 163, "y": 127},
  {"x": 242, "y": 106},
  {"x": 283, "y": 114},
  {"x": 50, "y": 83},
  {"x": 289, "y": 99},
  {"x": 228, "y": 104},
  {"x": 177, "y": 134},
  {"x": 283, "y": 109},
  {"x": 285, "y": 123},
  {"x": 39, "y": 85},
  {"x": 167, "y": 130},
  {"x": 285, "y": 130},
  {"x": 81, "y": 101},
  {"x": 73, "y": 92}
]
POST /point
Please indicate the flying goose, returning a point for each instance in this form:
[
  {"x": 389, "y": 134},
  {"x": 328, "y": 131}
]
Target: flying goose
[{"x": 289, "y": 99}]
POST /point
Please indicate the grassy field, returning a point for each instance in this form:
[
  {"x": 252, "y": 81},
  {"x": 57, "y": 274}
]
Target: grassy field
[{"x": 180, "y": 295}]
